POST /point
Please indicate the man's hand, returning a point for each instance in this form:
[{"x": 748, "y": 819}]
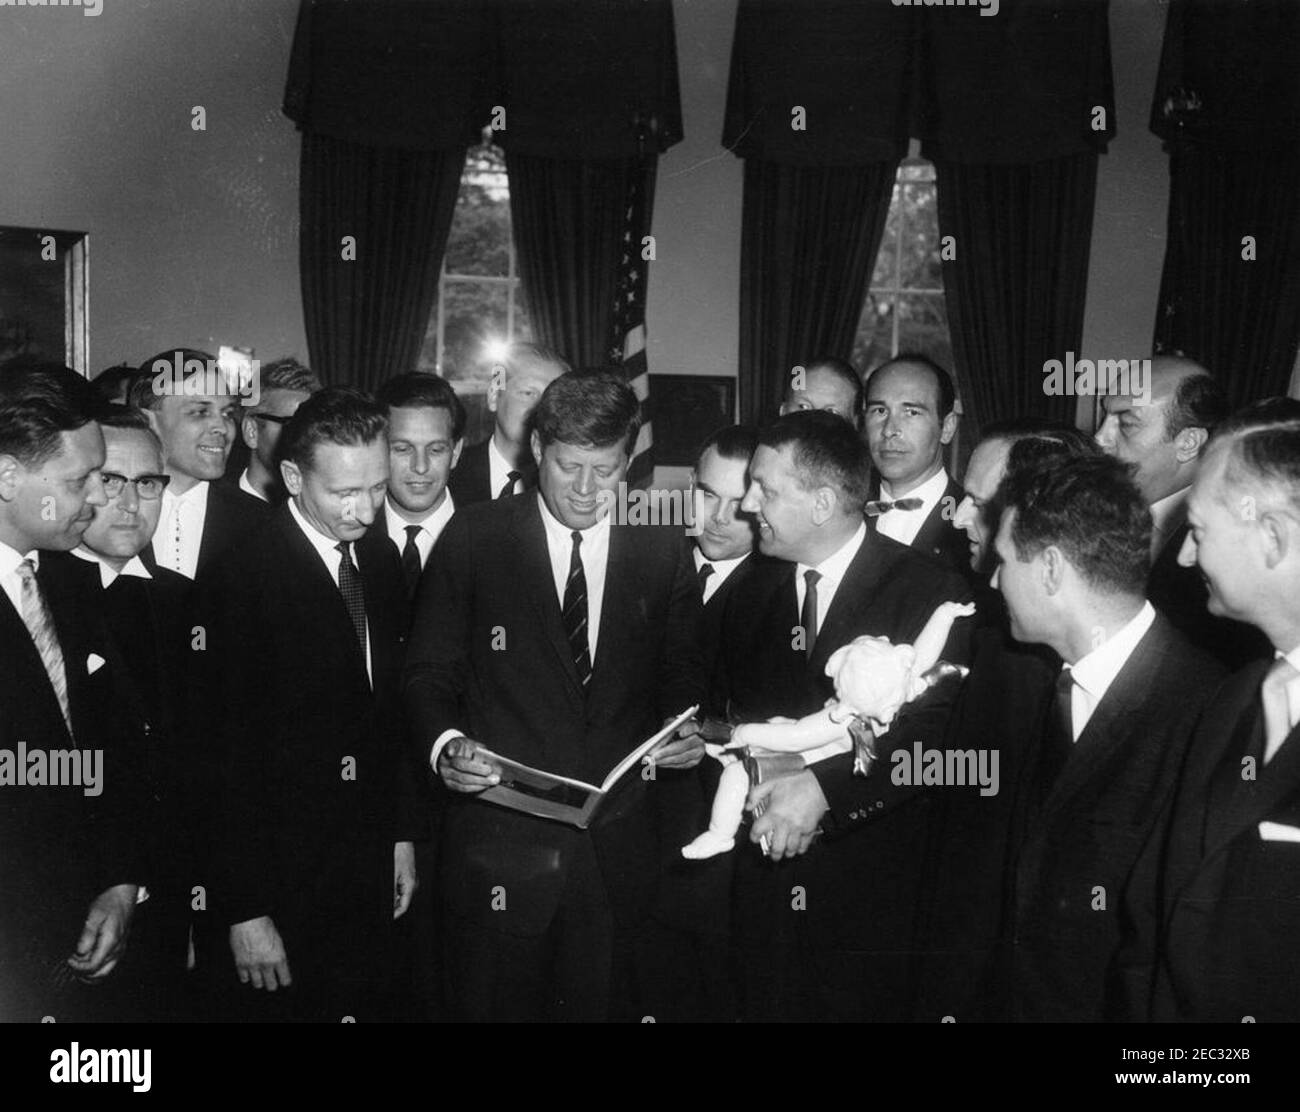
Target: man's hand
[
  {"x": 103, "y": 938},
  {"x": 259, "y": 954},
  {"x": 793, "y": 808},
  {"x": 404, "y": 878},
  {"x": 462, "y": 769},
  {"x": 685, "y": 749}
]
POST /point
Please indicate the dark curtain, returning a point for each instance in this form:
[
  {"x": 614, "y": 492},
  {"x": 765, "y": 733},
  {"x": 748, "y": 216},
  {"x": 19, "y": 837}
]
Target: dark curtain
[
  {"x": 1015, "y": 291},
  {"x": 1239, "y": 317},
  {"x": 569, "y": 217},
  {"x": 366, "y": 318},
  {"x": 809, "y": 237}
]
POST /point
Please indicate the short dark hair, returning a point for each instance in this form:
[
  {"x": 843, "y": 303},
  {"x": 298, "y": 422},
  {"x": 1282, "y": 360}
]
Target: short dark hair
[
  {"x": 334, "y": 415},
  {"x": 943, "y": 380},
  {"x": 110, "y": 381},
  {"x": 287, "y": 374},
  {"x": 842, "y": 369},
  {"x": 1199, "y": 402},
  {"x": 827, "y": 451},
  {"x": 39, "y": 401},
  {"x": 142, "y": 394},
  {"x": 592, "y": 408},
  {"x": 1090, "y": 508},
  {"x": 114, "y": 416},
  {"x": 1033, "y": 440},
  {"x": 419, "y": 389},
  {"x": 730, "y": 442},
  {"x": 1264, "y": 440}
]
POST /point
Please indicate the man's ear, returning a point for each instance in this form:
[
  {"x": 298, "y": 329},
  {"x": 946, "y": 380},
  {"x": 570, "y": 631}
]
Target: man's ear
[
  {"x": 1053, "y": 565},
  {"x": 1188, "y": 444},
  {"x": 248, "y": 430},
  {"x": 292, "y": 476},
  {"x": 825, "y": 501},
  {"x": 1275, "y": 531},
  {"x": 535, "y": 442},
  {"x": 456, "y": 450},
  {"x": 10, "y": 471},
  {"x": 949, "y": 428},
  {"x": 495, "y": 385}
]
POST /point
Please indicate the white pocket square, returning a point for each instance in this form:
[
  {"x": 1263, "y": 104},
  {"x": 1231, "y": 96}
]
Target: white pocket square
[
  {"x": 1279, "y": 832},
  {"x": 94, "y": 662}
]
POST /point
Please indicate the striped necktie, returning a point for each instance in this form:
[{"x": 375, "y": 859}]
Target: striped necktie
[
  {"x": 354, "y": 595},
  {"x": 574, "y": 612},
  {"x": 36, "y": 616}
]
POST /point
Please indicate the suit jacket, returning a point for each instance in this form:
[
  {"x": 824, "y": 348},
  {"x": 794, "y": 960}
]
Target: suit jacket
[
  {"x": 62, "y": 848},
  {"x": 231, "y": 516},
  {"x": 938, "y": 536},
  {"x": 489, "y": 658},
  {"x": 1181, "y": 595},
  {"x": 860, "y": 880},
  {"x": 471, "y": 479},
  {"x": 1231, "y": 904},
  {"x": 317, "y": 785}
]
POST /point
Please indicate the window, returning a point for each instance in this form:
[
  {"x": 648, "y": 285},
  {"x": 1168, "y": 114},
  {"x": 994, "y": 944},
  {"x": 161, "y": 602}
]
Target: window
[
  {"x": 480, "y": 301},
  {"x": 904, "y": 309}
]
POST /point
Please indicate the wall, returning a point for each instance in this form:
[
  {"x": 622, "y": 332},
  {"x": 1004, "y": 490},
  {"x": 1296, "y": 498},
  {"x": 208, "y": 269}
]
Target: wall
[{"x": 193, "y": 234}]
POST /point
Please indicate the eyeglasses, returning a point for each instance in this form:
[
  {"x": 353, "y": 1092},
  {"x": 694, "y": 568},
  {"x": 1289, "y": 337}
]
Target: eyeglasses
[
  {"x": 147, "y": 487},
  {"x": 272, "y": 418}
]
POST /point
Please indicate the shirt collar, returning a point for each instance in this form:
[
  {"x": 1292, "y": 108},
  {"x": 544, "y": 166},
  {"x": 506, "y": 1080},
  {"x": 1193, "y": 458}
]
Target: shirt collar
[
  {"x": 190, "y": 495},
  {"x": 326, "y": 546},
  {"x": 832, "y": 569},
  {"x": 495, "y": 457},
  {"x": 248, "y": 487},
  {"x": 433, "y": 523},
  {"x": 1170, "y": 512},
  {"x": 560, "y": 534},
  {"x": 10, "y": 559},
  {"x": 1097, "y": 670},
  {"x": 929, "y": 492},
  {"x": 107, "y": 573},
  {"x": 721, "y": 568}
]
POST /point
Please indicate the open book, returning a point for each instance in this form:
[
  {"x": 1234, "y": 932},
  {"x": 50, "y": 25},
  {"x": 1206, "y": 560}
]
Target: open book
[{"x": 548, "y": 796}]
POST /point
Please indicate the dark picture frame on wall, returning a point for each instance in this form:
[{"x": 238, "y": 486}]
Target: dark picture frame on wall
[
  {"x": 685, "y": 409},
  {"x": 44, "y": 295}
]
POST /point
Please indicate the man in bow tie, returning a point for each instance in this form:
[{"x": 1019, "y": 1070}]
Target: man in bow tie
[
  {"x": 910, "y": 417},
  {"x": 1232, "y": 877}
]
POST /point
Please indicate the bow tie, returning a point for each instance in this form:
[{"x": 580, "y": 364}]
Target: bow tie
[{"x": 874, "y": 509}]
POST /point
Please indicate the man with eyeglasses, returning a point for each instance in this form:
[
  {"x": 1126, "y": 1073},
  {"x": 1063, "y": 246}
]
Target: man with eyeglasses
[
  {"x": 148, "y": 616},
  {"x": 200, "y": 518},
  {"x": 284, "y": 385}
]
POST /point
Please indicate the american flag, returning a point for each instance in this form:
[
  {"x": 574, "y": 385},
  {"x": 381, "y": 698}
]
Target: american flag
[{"x": 627, "y": 329}]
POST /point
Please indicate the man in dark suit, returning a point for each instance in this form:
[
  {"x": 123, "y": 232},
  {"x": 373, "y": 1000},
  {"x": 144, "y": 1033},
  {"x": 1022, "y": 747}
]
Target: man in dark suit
[
  {"x": 503, "y": 464},
  {"x": 318, "y": 812},
  {"x": 195, "y": 420},
  {"x": 1092, "y": 755},
  {"x": 554, "y": 635},
  {"x": 1161, "y": 435},
  {"x": 824, "y": 928},
  {"x": 426, "y": 427},
  {"x": 1231, "y": 889},
  {"x": 73, "y": 864},
  {"x": 149, "y": 616},
  {"x": 911, "y": 415}
]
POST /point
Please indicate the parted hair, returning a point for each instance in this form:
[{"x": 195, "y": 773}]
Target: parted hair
[
  {"x": 340, "y": 415},
  {"x": 287, "y": 374},
  {"x": 39, "y": 401},
  {"x": 730, "y": 442},
  {"x": 592, "y": 408},
  {"x": 1263, "y": 441},
  {"x": 417, "y": 389},
  {"x": 826, "y": 451},
  {"x": 1199, "y": 402},
  {"x": 142, "y": 394},
  {"x": 1090, "y": 508}
]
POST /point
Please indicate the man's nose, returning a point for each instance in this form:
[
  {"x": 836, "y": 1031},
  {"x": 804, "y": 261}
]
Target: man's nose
[
  {"x": 128, "y": 501},
  {"x": 749, "y": 504},
  {"x": 1106, "y": 435},
  {"x": 586, "y": 482},
  {"x": 1187, "y": 554},
  {"x": 95, "y": 495},
  {"x": 962, "y": 517},
  {"x": 725, "y": 511},
  {"x": 419, "y": 463}
]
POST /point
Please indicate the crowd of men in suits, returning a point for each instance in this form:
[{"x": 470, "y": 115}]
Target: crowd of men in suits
[{"x": 299, "y": 635}]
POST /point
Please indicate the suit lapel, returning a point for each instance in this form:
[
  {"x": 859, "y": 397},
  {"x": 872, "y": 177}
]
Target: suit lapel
[
  {"x": 27, "y": 666},
  {"x": 852, "y": 596},
  {"x": 214, "y": 524},
  {"x": 1251, "y": 802},
  {"x": 534, "y": 564}
]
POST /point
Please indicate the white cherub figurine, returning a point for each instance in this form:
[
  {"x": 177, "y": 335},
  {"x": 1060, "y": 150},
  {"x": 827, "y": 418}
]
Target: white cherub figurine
[{"x": 873, "y": 678}]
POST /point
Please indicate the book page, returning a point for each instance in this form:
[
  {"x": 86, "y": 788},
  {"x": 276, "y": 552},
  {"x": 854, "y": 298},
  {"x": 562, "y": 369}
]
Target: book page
[{"x": 641, "y": 750}]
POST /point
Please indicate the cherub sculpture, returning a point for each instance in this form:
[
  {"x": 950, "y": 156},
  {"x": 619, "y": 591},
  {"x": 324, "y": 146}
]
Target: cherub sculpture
[{"x": 874, "y": 679}]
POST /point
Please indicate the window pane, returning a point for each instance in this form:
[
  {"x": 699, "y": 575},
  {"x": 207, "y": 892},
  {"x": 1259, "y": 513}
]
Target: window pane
[
  {"x": 479, "y": 242},
  {"x": 883, "y": 277},
  {"x": 873, "y": 343},
  {"x": 476, "y": 314},
  {"x": 921, "y": 269},
  {"x": 923, "y": 327}
]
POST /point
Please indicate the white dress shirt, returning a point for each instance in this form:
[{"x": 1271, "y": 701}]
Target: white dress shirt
[
  {"x": 594, "y": 554},
  {"x": 107, "y": 573},
  {"x": 903, "y": 525},
  {"x": 326, "y": 548},
  {"x": 1292, "y": 696},
  {"x": 248, "y": 487},
  {"x": 1094, "y": 673},
  {"x": 499, "y": 469},
  {"x": 832, "y": 571},
  {"x": 1167, "y": 516},
  {"x": 721, "y": 570},
  {"x": 9, "y": 577},
  {"x": 180, "y": 529},
  {"x": 430, "y": 528}
]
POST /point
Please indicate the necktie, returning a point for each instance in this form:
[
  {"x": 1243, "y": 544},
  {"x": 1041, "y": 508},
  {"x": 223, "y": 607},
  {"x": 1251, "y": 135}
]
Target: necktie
[
  {"x": 808, "y": 614},
  {"x": 875, "y": 509},
  {"x": 175, "y": 536},
  {"x": 509, "y": 488},
  {"x": 36, "y": 616},
  {"x": 574, "y": 612},
  {"x": 1277, "y": 710},
  {"x": 354, "y": 596},
  {"x": 703, "y": 574},
  {"x": 411, "y": 560},
  {"x": 1058, "y": 742}
]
